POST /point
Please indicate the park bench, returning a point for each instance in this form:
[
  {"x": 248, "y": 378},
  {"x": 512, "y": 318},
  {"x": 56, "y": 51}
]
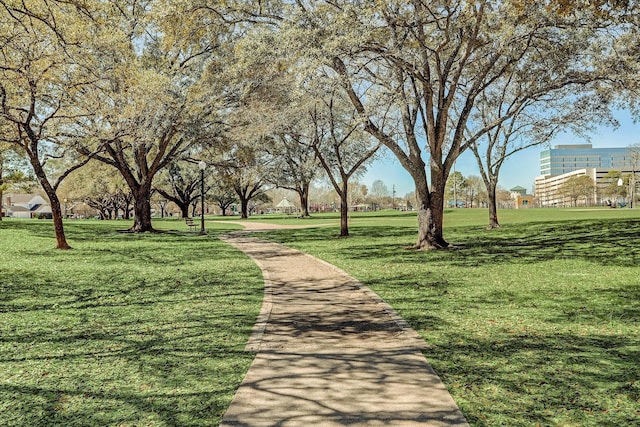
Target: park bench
[{"x": 192, "y": 225}]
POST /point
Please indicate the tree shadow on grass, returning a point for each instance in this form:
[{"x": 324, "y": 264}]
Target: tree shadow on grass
[
  {"x": 126, "y": 329},
  {"x": 611, "y": 243},
  {"x": 112, "y": 231},
  {"x": 106, "y": 245},
  {"x": 125, "y": 354},
  {"x": 606, "y": 242},
  {"x": 550, "y": 378},
  {"x": 175, "y": 390},
  {"x": 555, "y": 371}
]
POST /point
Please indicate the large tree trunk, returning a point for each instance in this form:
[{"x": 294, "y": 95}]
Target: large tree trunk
[
  {"x": 344, "y": 210},
  {"x": 493, "y": 205},
  {"x": 244, "y": 208},
  {"x": 430, "y": 211},
  {"x": 430, "y": 219},
  {"x": 184, "y": 209},
  {"x": 56, "y": 211},
  {"x": 142, "y": 210},
  {"x": 304, "y": 201}
]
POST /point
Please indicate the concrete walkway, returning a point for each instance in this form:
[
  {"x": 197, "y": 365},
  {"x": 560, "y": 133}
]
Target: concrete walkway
[{"x": 330, "y": 352}]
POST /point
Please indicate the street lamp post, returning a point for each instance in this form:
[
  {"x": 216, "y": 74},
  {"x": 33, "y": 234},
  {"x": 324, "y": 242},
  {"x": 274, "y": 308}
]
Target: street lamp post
[{"x": 202, "y": 165}]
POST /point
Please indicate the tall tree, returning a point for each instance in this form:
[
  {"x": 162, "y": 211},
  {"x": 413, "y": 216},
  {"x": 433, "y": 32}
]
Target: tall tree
[
  {"x": 97, "y": 185},
  {"x": 223, "y": 195},
  {"x": 342, "y": 148},
  {"x": 268, "y": 105},
  {"x": 379, "y": 191},
  {"x": 510, "y": 122},
  {"x": 245, "y": 169},
  {"x": 474, "y": 191},
  {"x": 612, "y": 187},
  {"x": 156, "y": 106},
  {"x": 455, "y": 188},
  {"x": 414, "y": 70},
  {"x": 44, "y": 71}
]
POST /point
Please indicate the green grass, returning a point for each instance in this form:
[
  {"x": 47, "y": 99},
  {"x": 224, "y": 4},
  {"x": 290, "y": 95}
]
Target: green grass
[
  {"x": 536, "y": 323},
  {"x": 124, "y": 330},
  {"x": 453, "y": 217}
]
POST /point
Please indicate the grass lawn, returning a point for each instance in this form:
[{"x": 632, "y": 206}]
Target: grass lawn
[
  {"x": 536, "y": 323},
  {"x": 124, "y": 330}
]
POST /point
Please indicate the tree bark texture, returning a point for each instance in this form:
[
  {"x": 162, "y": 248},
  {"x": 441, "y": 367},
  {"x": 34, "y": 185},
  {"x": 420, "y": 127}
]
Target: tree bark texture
[
  {"x": 56, "y": 211},
  {"x": 244, "y": 208},
  {"x": 493, "y": 206},
  {"x": 304, "y": 201},
  {"x": 58, "y": 226},
  {"x": 344, "y": 213},
  {"x": 142, "y": 210},
  {"x": 184, "y": 209},
  {"x": 430, "y": 219}
]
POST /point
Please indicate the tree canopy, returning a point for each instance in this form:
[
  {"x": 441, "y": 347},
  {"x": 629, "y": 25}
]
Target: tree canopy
[
  {"x": 414, "y": 71},
  {"x": 139, "y": 85}
]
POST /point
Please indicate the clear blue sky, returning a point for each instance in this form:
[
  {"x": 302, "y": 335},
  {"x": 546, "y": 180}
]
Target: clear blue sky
[{"x": 520, "y": 169}]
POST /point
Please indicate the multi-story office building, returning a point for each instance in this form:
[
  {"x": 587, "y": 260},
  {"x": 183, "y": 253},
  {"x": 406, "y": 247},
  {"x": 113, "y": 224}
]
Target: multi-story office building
[
  {"x": 562, "y": 162},
  {"x": 567, "y": 158}
]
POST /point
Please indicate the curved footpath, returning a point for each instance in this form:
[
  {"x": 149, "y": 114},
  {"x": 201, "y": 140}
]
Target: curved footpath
[{"x": 330, "y": 352}]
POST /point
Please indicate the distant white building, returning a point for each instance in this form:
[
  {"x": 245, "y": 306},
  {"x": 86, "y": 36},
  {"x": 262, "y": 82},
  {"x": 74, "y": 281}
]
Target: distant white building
[
  {"x": 559, "y": 164},
  {"x": 24, "y": 205},
  {"x": 549, "y": 188}
]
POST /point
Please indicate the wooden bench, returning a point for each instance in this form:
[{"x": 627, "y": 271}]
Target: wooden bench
[{"x": 192, "y": 225}]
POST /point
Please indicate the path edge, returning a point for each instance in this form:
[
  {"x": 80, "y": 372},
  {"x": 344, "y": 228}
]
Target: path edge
[
  {"x": 255, "y": 339},
  {"x": 411, "y": 334}
]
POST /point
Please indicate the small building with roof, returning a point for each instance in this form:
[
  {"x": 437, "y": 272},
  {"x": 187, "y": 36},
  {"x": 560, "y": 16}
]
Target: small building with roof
[
  {"x": 286, "y": 206},
  {"x": 25, "y": 206},
  {"x": 521, "y": 198}
]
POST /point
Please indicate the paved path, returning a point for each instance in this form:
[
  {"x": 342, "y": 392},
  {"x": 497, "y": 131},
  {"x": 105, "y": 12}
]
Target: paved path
[{"x": 330, "y": 352}]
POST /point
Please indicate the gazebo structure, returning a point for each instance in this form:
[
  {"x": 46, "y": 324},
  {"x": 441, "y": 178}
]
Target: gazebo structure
[{"x": 286, "y": 206}]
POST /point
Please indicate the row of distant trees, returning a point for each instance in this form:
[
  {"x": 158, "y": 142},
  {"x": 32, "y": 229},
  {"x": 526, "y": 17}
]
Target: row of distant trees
[
  {"x": 280, "y": 93},
  {"x": 471, "y": 192},
  {"x": 112, "y": 201},
  {"x": 615, "y": 185}
]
